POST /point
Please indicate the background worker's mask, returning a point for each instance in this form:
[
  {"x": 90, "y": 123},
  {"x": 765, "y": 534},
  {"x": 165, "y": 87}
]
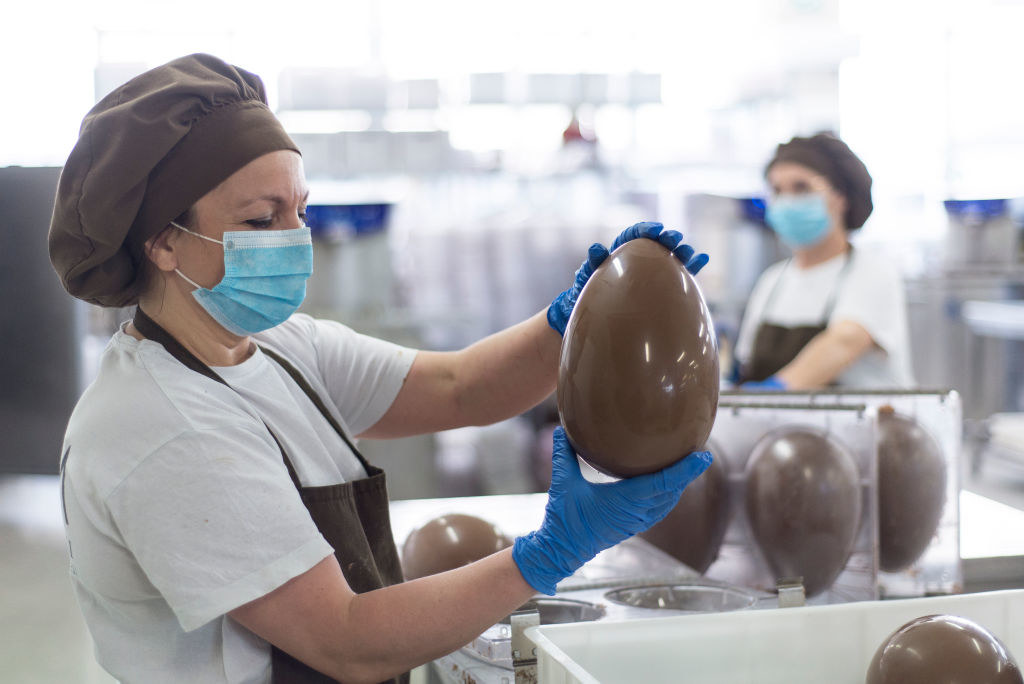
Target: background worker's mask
[{"x": 799, "y": 220}]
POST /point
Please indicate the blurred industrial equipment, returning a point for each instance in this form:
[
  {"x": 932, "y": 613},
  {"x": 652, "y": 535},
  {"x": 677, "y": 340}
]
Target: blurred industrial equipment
[
  {"x": 40, "y": 328},
  {"x": 732, "y": 229},
  {"x": 952, "y": 347}
]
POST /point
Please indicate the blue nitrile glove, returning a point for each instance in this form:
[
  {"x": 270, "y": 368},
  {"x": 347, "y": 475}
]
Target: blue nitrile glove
[
  {"x": 734, "y": 372},
  {"x": 584, "y": 518},
  {"x": 769, "y": 384},
  {"x": 561, "y": 308}
]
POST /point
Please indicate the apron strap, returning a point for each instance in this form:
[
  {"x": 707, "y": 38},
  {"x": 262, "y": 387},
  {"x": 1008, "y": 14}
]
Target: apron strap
[
  {"x": 152, "y": 330},
  {"x": 317, "y": 401},
  {"x": 833, "y": 295},
  {"x": 840, "y": 281}
]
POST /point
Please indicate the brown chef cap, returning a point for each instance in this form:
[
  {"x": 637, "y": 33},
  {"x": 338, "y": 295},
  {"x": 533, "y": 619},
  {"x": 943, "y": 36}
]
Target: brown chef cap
[
  {"x": 145, "y": 154},
  {"x": 828, "y": 155}
]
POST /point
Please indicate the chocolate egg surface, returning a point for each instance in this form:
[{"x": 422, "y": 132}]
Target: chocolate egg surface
[
  {"x": 803, "y": 501},
  {"x": 911, "y": 489},
  {"x": 942, "y": 649},
  {"x": 448, "y": 542},
  {"x": 693, "y": 531},
  {"x": 638, "y": 374}
]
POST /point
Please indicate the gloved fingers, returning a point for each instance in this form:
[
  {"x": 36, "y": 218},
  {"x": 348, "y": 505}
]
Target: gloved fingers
[
  {"x": 672, "y": 478},
  {"x": 649, "y": 229},
  {"x": 661, "y": 504},
  {"x": 669, "y": 497},
  {"x": 684, "y": 253},
  {"x": 560, "y": 442},
  {"x": 636, "y": 515},
  {"x": 696, "y": 263},
  {"x": 663, "y": 508},
  {"x": 627, "y": 506},
  {"x": 682, "y": 473},
  {"x": 642, "y": 487},
  {"x": 768, "y": 384},
  {"x": 670, "y": 239},
  {"x": 596, "y": 255},
  {"x": 564, "y": 466}
]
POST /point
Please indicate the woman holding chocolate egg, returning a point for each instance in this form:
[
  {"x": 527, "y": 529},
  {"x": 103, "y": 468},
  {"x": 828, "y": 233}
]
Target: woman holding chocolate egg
[{"x": 221, "y": 523}]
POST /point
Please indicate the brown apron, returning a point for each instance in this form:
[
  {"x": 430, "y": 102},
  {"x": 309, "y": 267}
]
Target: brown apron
[
  {"x": 352, "y": 516},
  {"x": 776, "y": 345}
]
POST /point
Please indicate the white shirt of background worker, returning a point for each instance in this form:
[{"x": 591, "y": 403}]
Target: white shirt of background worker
[{"x": 830, "y": 315}]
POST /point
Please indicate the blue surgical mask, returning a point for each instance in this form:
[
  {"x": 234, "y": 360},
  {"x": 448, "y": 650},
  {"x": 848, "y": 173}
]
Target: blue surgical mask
[
  {"x": 265, "y": 273},
  {"x": 800, "y": 220}
]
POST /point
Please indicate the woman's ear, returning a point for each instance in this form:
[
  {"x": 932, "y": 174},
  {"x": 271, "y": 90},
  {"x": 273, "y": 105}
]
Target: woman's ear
[
  {"x": 838, "y": 205},
  {"x": 159, "y": 249}
]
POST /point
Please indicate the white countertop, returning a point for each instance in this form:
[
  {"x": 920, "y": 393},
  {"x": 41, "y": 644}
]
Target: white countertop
[
  {"x": 1004, "y": 319},
  {"x": 988, "y": 528}
]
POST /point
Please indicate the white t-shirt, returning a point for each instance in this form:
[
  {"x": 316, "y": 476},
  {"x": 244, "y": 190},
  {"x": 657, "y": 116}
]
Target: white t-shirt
[
  {"x": 870, "y": 293},
  {"x": 179, "y": 507}
]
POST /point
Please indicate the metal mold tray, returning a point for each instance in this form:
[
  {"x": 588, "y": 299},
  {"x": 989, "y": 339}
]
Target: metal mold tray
[
  {"x": 558, "y": 611},
  {"x": 686, "y": 598},
  {"x": 495, "y": 645}
]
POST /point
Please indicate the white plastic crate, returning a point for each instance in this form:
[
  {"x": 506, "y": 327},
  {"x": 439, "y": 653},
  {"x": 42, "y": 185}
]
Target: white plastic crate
[{"x": 833, "y": 643}]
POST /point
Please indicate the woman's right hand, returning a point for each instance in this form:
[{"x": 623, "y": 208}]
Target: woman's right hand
[{"x": 584, "y": 518}]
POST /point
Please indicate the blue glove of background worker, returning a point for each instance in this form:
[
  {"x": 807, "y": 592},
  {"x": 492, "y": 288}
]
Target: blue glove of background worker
[
  {"x": 558, "y": 312},
  {"x": 584, "y": 518},
  {"x": 769, "y": 384}
]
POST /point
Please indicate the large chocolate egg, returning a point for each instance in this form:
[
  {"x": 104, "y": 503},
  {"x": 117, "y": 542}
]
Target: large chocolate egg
[
  {"x": 803, "y": 501},
  {"x": 638, "y": 375},
  {"x": 911, "y": 489},
  {"x": 448, "y": 542},
  {"x": 942, "y": 649},
  {"x": 692, "y": 532}
]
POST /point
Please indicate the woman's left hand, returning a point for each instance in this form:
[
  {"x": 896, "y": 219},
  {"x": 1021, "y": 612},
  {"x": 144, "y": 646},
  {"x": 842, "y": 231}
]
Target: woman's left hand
[
  {"x": 561, "y": 307},
  {"x": 769, "y": 384},
  {"x": 583, "y": 518}
]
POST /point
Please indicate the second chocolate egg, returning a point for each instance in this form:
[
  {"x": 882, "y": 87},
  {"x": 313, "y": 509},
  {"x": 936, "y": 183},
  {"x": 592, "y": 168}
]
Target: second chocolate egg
[
  {"x": 804, "y": 504},
  {"x": 911, "y": 489},
  {"x": 693, "y": 531},
  {"x": 638, "y": 374},
  {"x": 448, "y": 542}
]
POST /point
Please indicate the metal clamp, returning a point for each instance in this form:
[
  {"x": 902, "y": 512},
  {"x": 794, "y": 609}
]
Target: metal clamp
[
  {"x": 524, "y": 653},
  {"x": 791, "y": 592}
]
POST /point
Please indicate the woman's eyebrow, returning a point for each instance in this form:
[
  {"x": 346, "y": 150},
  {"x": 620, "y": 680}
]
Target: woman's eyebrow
[{"x": 274, "y": 199}]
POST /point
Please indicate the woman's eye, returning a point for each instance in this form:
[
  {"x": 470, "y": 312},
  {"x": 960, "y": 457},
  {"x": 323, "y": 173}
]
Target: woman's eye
[{"x": 260, "y": 223}]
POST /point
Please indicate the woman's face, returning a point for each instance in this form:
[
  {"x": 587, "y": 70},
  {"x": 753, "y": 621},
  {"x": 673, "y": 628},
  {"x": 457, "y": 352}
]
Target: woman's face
[
  {"x": 792, "y": 179},
  {"x": 268, "y": 193}
]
